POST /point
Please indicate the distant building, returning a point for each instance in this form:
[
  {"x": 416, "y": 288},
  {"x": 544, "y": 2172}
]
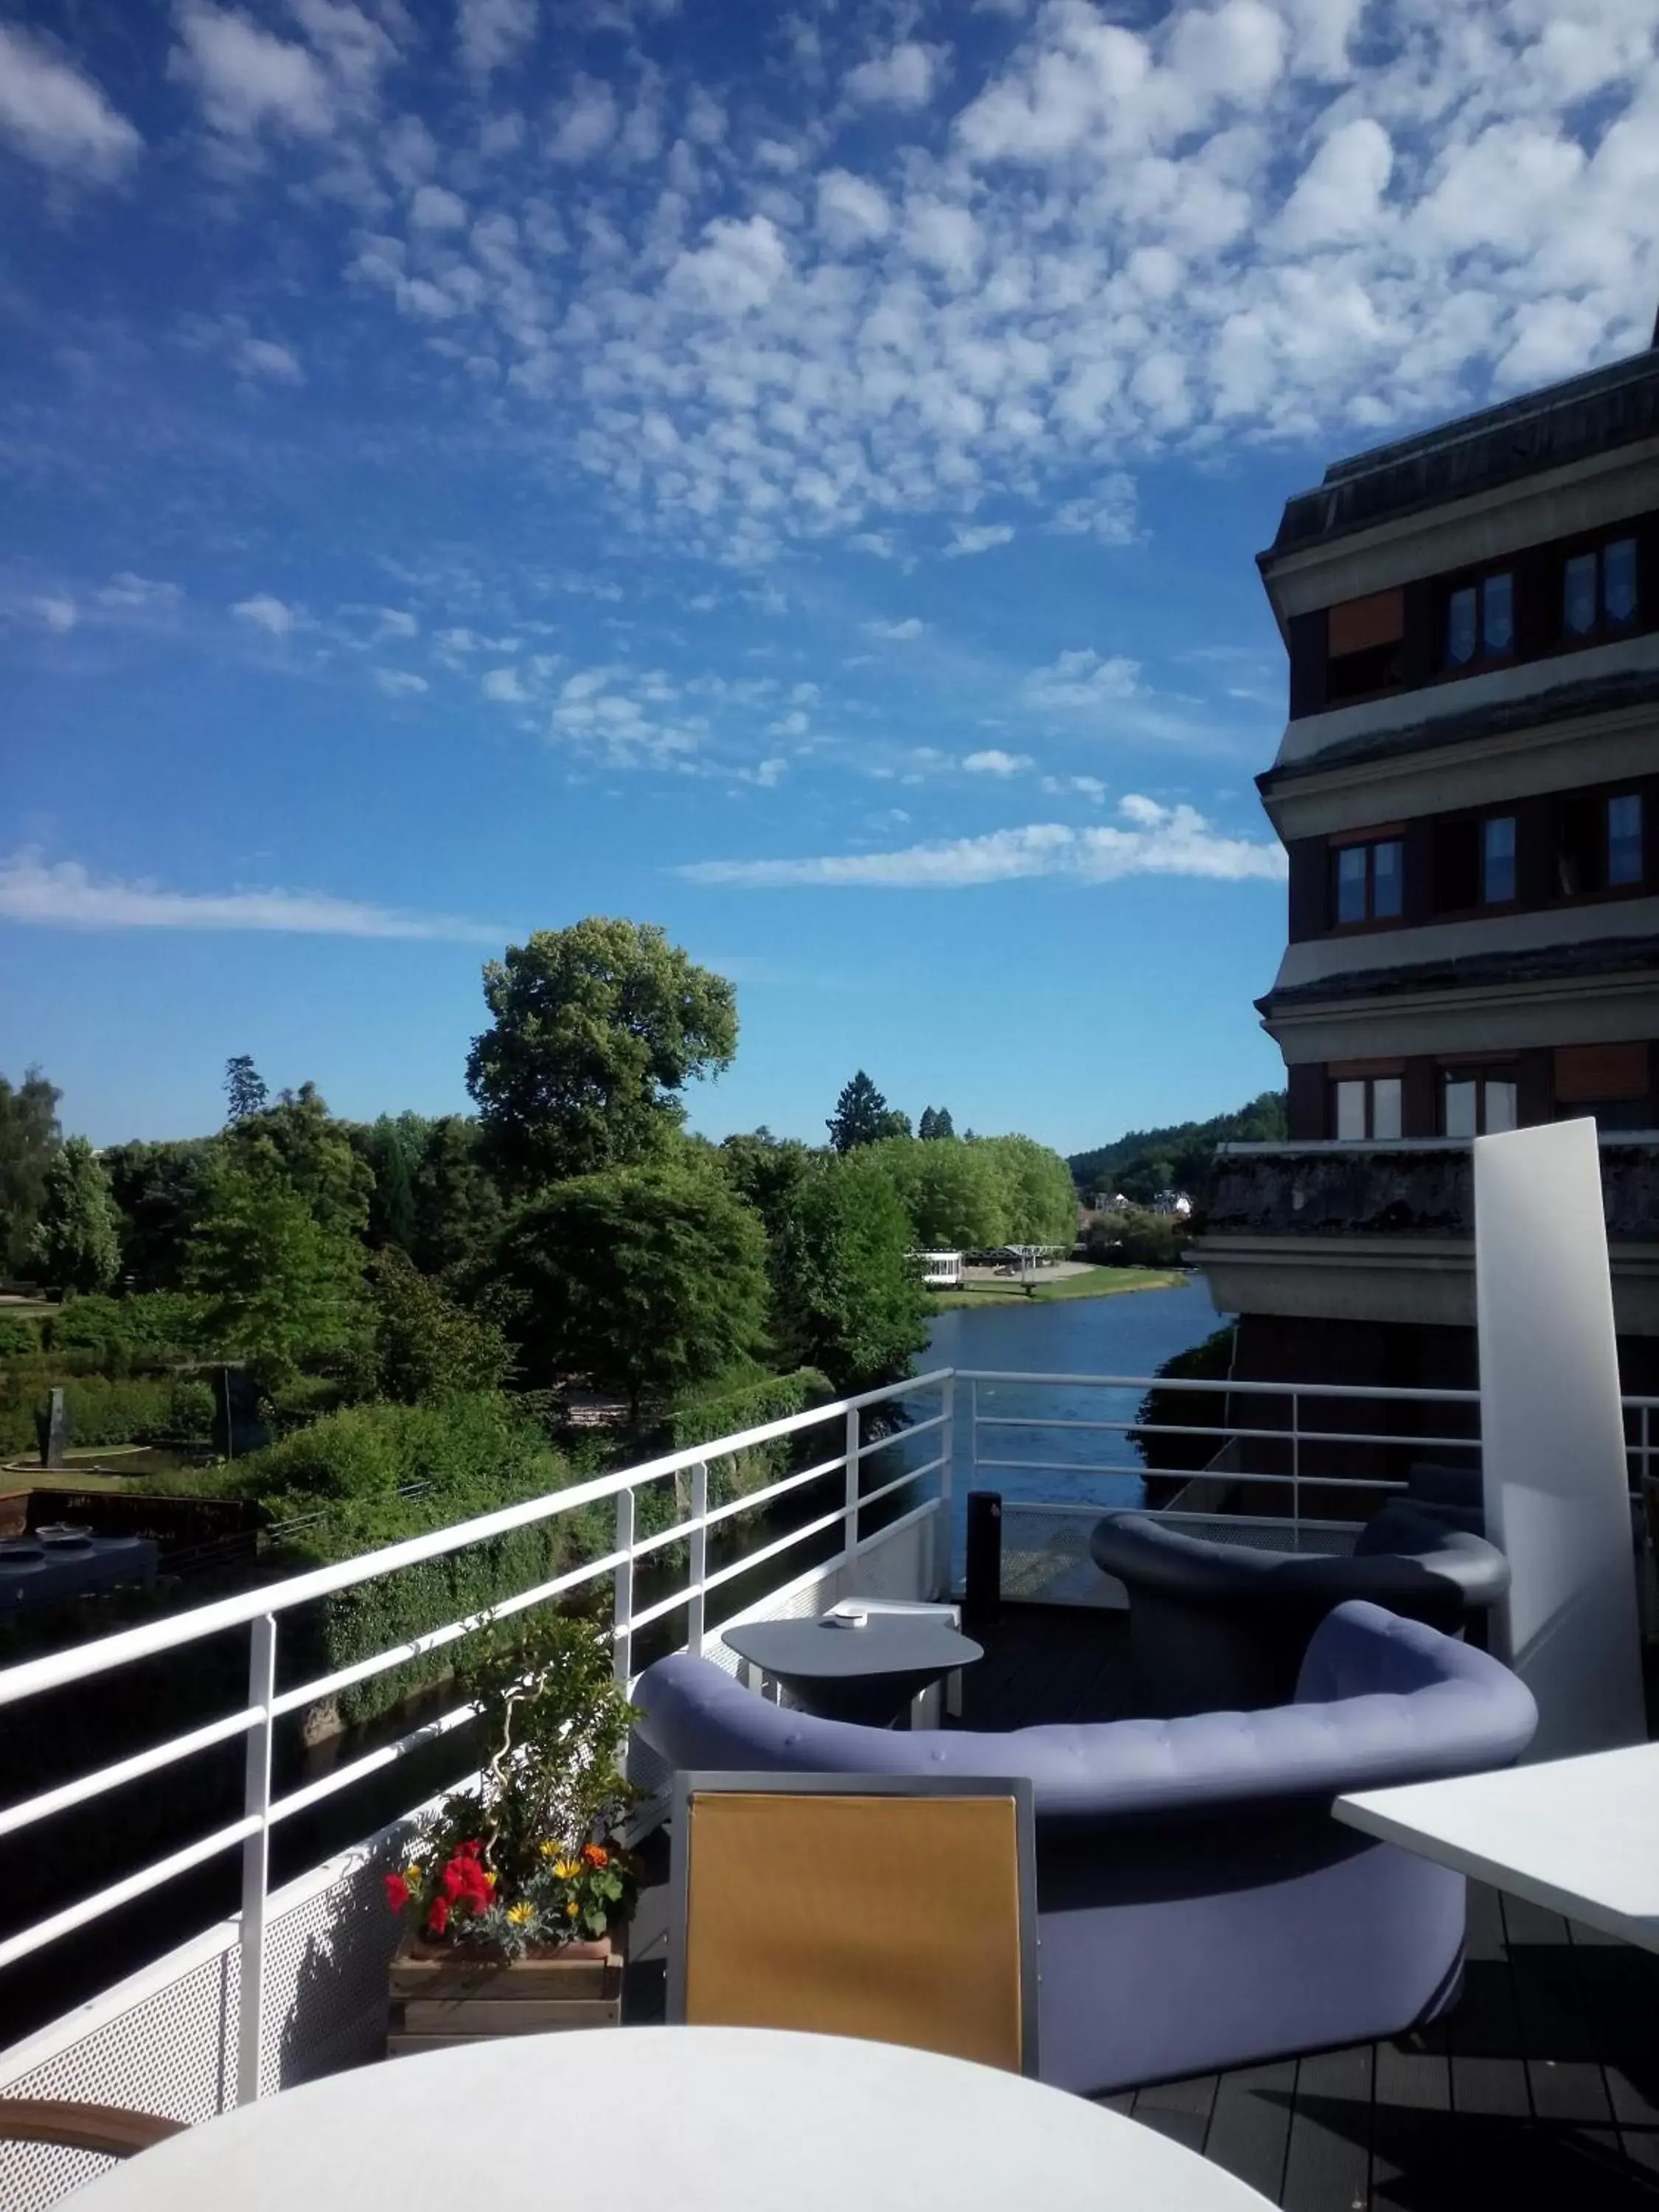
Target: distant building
[
  {"x": 1466, "y": 790},
  {"x": 1172, "y": 1201},
  {"x": 940, "y": 1271}
]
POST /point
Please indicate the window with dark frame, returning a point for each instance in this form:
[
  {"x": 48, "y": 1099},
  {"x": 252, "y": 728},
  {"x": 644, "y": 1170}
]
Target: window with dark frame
[
  {"x": 1478, "y": 1101},
  {"x": 1498, "y": 860},
  {"x": 1600, "y": 589},
  {"x": 1479, "y": 623},
  {"x": 1368, "y": 882},
  {"x": 1363, "y": 641},
  {"x": 1365, "y": 1108},
  {"x": 1626, "y": 856}
]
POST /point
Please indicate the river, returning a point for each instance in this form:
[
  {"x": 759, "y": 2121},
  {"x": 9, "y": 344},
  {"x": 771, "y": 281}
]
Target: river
[{"x": 1132, "y": 1333}]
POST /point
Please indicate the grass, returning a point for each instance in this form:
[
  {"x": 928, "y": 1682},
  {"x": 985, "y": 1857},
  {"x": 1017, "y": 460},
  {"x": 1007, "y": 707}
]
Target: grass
[{"x": 1096, "y": 1283}]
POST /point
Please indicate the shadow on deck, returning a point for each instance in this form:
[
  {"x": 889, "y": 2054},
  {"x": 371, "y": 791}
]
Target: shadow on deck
[{"x": 1541, "y": 2088}]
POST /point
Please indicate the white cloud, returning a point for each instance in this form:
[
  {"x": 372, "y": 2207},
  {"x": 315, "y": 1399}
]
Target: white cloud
[
  {"x": 1082, "y": 681},
  {"x": 852, "y": 212},
  {"x": 1338, "y": 195},
  {"x": 901, "y": 633},
  {"x": 903, "y": 77},
  {"x": 795, "y": 723},
  {"x": 739, "y": 266},
  {"x": 64, "y": 895},
  {"x": 273, "y": 616},
  {"x": 246, "y": 78},
  {"x": 584, "y": 123},
  {"x": 1158, "y": 841},
  {"x": 400, "y": 682},
  {"x": 506, "y": 686},
  {"x": 57, "y": 610},
  {"x": 492, "y": 33},
  {"x": 1088, "y": 787},
  {"x": 433, "y": 208},
  {"x": 53, "y": 115},
  {"x": 994, "y": 761},
  {"x": 125, "y": 590},
  {"x": 466, "y": 641},
  {"x": 977, "y": 537},
  {"x": 264, "y": 357}
]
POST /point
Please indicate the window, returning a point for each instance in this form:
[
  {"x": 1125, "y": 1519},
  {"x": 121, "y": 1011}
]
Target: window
[
  {"x": 1480, "y": 621},
  {"x": 1614, "y": 1082},
  {"x": 1599, "y": 589},
  {"x": 1478, "y": 1101},
  {"x": 1366, "y": 1107},
  {"x": 1368, "y": 882},
  {"x": 1498, "y": 860},
  {"x": 1362, "y": 645},
  {"x": 1624, "y": 853}
]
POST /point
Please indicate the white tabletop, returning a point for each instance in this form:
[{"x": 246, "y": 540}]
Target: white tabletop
[
  {"x": 732, "y": 2119},
  {"x": 1578, "y": 1836}
]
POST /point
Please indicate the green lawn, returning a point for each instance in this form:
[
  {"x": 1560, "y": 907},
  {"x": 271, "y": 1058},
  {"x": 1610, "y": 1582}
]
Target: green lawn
[{"x": 1096, "y": 1283}]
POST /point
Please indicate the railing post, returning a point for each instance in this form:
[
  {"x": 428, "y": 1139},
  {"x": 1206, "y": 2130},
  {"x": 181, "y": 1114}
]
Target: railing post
[
  {"x": 944, "y": 1543},
  {"x": 699, "y": 1558},
  {"x": 256, "y": 1860},
  {"x": 1295, "y": 1470},
  {"x": 622, "y": 1638},
  {"x": 850, "y": 1548}
]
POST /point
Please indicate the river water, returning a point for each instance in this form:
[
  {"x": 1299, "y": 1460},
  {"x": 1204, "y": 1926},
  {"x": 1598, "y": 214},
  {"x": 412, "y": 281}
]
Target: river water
[{"x": 1132, "y": 1333}]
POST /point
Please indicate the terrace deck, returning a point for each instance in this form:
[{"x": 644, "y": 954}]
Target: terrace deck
[{"x": 1540, "y": 2088}]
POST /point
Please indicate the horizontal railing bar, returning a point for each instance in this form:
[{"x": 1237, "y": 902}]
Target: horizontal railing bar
[
  {"x": 74, "y": 1665},
  {"x": 770, "y": 1551},
  {"x": 643, "y": 1617},
  {"x": 928, "y": 1506},
  {"x": 283, "y": 1809},
  {"x": 903, "y": 1436},
  {"x": 733, "y": 1506},
  {"x": 1192, "y": 1475},
  {"x": 911, "y": 1474},
  {"x": 1198, "y": 1429},
  {"x": 1213, "y": 1382},
  {"x": 433, "y": 1640},
  {"x": 127, "y": 1770},
  {"x": 122, "y": 1893}
]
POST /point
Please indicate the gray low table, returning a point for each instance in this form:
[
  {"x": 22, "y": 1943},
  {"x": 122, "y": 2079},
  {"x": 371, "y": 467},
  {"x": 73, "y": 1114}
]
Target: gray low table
[{"x": 868, "y": 1674}]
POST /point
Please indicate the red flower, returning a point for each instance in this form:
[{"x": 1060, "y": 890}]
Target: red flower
[
  {"x": 438, "y": 1918},
  {"x": 452, "y": 1879},
  {"x": 595, "y": 1856},
  {"x": 471, "y": 1851},
  {"x": 397, "y": 1892}
]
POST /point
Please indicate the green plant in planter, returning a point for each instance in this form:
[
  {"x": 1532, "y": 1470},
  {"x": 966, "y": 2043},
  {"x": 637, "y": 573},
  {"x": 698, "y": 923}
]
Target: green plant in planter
[{"x": 529, "y": 1858}]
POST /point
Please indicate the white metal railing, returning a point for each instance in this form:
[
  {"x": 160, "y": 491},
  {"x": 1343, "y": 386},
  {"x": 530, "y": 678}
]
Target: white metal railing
[{"x": 261, "y": 1611}]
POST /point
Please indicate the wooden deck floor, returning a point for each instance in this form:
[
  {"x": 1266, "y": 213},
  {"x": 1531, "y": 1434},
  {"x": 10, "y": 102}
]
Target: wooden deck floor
[{"x": 1540, "y": 2088}]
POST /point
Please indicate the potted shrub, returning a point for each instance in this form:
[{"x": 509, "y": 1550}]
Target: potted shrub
[{"x": 515, "y": 1901}]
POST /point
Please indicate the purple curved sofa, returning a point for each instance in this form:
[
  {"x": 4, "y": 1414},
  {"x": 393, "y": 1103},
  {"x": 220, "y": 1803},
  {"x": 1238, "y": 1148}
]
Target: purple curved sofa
[{"x": 1198, "y": 1907}]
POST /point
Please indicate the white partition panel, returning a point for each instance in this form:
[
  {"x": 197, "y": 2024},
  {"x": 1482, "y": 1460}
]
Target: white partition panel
[{"x": 1557, "y": 1489}]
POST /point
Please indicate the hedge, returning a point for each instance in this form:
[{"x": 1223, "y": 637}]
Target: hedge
[
  {"x": 19, "y": 1338},
  {"x": 774, "y": 1399},
  {"x": 156, "y": 1329},
  {"x": 162, "y": 1411}
]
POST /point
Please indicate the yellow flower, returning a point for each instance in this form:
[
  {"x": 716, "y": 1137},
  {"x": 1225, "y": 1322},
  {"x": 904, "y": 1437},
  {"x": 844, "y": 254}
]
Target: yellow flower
[
  {"x": 521, "y": 1915},
  {"x": 412, "y": 1875},
  {"x": 567, "y": 1870},
  {"x": 548, "y": 1850},
  {"x": 570, "y": 1910}
]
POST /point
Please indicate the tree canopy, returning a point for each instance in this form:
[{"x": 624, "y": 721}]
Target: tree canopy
[
  {"x": 639, "y": 1280},
  {"x": 597, "y": 1028},
  {"x": 276, "y": 1282},
  {"x": 849, "y": 1297},
  {"x": 28, "y": 1139},
  {"x": 299, "y": 1139},
  {"x": 1179, "y": 1158},
  {"x": 862, "y": 1116},
  {"x": 935, "y": 1123},
  {"x": 77, "y": 1243},
  {"x": 244, "y": 1087}
]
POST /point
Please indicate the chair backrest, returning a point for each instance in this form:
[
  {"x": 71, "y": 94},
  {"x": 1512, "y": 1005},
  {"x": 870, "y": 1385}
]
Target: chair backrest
[
  {"x": 897, "y": 1908},
  {"x": 109, "y": 2129}
]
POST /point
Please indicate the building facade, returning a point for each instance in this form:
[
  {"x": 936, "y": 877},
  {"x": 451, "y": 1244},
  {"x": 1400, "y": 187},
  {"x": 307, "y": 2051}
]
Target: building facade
[{"x": 1467, "y": 793}]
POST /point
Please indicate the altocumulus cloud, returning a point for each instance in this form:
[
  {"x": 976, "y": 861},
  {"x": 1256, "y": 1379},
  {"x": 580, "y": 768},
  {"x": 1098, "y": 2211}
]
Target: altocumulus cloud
[
  {"x": 1153, "y": 841},
  {"x": 64, "y": 895}
]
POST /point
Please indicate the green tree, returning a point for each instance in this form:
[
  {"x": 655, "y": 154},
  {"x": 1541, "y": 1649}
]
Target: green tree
[
  {"x": 300, "y": 1140},
  {"x": 1181, "y": 1156},
  {"x": 426, "y": 1347},
  {"x": 1038, "y": 1192},
  {"x": 935, "y": 1123},
  {"x": 644, "y": 1281},
  {"x": 456, "y": 1203},
  {"x": 954, "y": 1194},
  {"x": 28, "y": 1139},
  {"x": 765, "y": 1172},
  {"x": 392, "y": 1147},
  {"x": 597, "y": 1028},
  {"x": 244, "y": 1087},
  {"x": 76, "y": 1240},
  {"x": 861, "y": 1116},
  {"x": 849, "y": 1297},
  {"x": 276, "y": 1285},
  {"x": 161, "y": 1192}
]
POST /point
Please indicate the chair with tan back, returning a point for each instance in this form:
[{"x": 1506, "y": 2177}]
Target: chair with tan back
[
  {"x": 109, "y": 2129},
  {"x": 895, "y": 1908}
]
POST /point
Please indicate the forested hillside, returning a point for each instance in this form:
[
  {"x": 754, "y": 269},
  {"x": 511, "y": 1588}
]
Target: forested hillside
[{"x": 1147, "y": 1161}]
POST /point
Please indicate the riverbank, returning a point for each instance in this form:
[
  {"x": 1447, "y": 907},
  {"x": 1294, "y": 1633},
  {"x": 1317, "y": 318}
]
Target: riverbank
[{"x": 1085, "y": 1283}]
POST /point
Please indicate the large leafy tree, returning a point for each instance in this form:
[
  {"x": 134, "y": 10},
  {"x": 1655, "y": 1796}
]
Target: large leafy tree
[
  {"x": 426, "y": 1346},
  {"x": 278, "y": 1285},
  {"x": 954, "y": 1194},
  {"x": 299, "y": 1139},
  {"x": 455, "y": 1202},
  {"x": 862, "y": 1116},
  {"x": 597, "y": 1028},
  {"x": 765, "y": 1172},
  {"x": 849, "y": 1297},
  {"x": 77, "y": 1243},
  {"x": 392, "y": 1146},
  {"x": 1038, "y": 1192},
  {"x": 161, "y": 1192},
  {"x": 644, "y": 1281},
  {"x": 28, "y": 1139}
]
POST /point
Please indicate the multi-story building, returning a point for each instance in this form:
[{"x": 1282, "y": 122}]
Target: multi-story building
[{"x": 1467, "y": 790}]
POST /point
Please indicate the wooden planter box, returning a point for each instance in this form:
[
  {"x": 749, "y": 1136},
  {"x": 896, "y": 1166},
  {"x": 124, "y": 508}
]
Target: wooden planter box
[{"x": 441, "y": 1996}]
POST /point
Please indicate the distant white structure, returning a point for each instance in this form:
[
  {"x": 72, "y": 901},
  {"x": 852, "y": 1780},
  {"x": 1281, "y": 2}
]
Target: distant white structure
[
  {"x": 940, "y": 1271},
  {"x": 1172, "y": 1201}
]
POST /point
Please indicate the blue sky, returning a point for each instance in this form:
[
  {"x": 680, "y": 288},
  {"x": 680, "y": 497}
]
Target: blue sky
[{"x": 790, "y": 475}]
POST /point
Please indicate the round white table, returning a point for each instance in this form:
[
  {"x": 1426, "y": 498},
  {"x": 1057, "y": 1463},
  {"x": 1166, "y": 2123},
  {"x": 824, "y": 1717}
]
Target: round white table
[{"x": 705, "y": 2119}]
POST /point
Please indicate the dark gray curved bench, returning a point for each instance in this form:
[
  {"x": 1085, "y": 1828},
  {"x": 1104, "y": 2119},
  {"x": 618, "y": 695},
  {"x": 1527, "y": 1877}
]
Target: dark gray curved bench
[
  {"x": 1216, "y": 1626},
  {"x": 1198, "y": 1906}
]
